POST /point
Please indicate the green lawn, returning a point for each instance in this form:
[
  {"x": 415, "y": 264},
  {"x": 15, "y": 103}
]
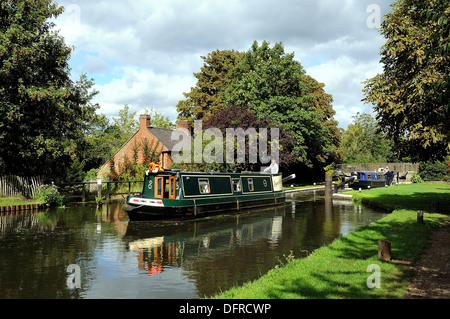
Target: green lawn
[
  {"x": 11, "y": 201},
  {"x": 340, "y": 270},
  {"x": 410, "y": 196}
]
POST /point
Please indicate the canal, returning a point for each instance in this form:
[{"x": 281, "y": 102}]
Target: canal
[{"x": 81, "y": 252}]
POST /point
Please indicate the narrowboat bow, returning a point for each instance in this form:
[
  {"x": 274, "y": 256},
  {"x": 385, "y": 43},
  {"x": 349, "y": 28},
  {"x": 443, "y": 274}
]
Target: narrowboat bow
[{"x": 172, "y": 193}]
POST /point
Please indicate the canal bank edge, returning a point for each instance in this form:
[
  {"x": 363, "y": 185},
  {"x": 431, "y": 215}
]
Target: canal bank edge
[
  {"x": 400, "y": 267},
  {"x": 22, "y": 207}
]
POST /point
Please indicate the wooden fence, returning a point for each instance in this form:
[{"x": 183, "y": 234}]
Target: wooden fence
[{"x": 12, "y": 186}]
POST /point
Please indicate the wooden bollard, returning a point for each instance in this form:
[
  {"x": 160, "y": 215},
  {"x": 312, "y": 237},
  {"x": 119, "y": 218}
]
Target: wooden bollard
[
  {"x": 420, "y": 216},
  {"x": 435, "y": 205},
  {"x": 384, "y": 250}
]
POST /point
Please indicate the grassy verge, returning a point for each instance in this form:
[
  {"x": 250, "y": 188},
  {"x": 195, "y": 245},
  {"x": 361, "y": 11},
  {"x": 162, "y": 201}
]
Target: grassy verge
[
  {"x": 11, "y": 201},
  {"x": 410, "y": 196},
  {"x": 340, "y": 270}
]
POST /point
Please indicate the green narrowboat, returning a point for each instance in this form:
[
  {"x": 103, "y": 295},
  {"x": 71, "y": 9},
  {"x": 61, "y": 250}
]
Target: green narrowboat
[{"x": 172, "y": 193}]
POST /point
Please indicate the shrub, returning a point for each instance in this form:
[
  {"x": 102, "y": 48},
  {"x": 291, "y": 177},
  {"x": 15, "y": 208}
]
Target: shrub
[
  {"x": 415, "y": 178},
  {"x": 432, "y": 170},
  {"x": 50, "y": 195}
]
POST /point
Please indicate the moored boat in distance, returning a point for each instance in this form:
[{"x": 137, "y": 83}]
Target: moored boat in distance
[
  {"x": 173, "y": 193},
  {"x": 365, "y": 180}
]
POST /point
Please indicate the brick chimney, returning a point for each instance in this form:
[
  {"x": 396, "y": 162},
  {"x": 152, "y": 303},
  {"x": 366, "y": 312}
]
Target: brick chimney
[
  {"x": 144, "y": 121},
  {"x": 185, "y": 126}
]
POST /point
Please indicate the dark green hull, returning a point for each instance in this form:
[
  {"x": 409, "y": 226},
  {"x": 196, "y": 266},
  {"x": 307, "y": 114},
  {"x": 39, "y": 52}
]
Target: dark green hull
[
  {"x": 204, "y": 207},
  {"x": 190, "y": 198}
]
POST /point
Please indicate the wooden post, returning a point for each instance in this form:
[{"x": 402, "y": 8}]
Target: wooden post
[
  {"x": 384, "y": 250},
  {"x": 83, "y": 194},
  {"x": 420, "y": 216},
  {"x": 435, "y": 206},
  {"x": 328, "y": 186},
  {"x": 99, "y": 188}
]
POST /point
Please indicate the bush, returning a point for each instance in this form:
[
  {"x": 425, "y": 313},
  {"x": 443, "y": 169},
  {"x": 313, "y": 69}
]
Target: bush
[
  {"x": 415, "y": 178},
  {"x": 432, "y": 171},
  {"x": 50, "y": 195}
]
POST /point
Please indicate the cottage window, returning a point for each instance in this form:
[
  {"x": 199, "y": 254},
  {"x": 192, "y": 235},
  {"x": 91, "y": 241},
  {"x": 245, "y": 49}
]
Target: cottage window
[{"x": 203, "y": 184}]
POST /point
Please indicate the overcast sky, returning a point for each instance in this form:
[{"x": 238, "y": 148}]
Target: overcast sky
[{"x": 144, "y": 52}]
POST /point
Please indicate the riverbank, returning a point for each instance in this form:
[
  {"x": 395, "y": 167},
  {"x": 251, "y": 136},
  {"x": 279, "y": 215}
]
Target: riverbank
[
  {"x": 12, "y": 204},
  {"x": 342, "y": 269}
]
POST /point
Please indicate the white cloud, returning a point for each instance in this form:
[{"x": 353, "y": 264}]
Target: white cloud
[
  {"x": 143, "y": 53},
  {"x": 140, "y": 89},
  {"x": 343, "y": 79}
]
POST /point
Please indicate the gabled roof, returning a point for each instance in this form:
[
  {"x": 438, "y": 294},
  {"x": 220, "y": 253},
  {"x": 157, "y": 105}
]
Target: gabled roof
[{"x": 164, "y": 136}]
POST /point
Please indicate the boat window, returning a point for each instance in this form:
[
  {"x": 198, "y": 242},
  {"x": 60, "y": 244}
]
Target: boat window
[
  {"x": 172, "y": 187},
  {"x": 251, "y": 188},
  {"x": 236, "y": 184},
  {"x": 203, "y": 184},
  {"x": 159, "y": 187}
]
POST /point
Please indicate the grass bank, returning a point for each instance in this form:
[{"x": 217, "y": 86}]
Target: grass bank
[
  {"x": 418, "y": 196},
  {"x": 12, "y": 201},
  {"x": 341, "y": 270}
]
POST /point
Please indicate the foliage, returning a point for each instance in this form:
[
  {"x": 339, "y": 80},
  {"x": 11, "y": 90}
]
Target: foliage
[
  {"x": 159, "y": 120},
  {"x": 43, "y": 113},
  {"x": 272, "y": 84},
  {"x": 415, "y": 178},
  {"x": 329, "y": 169},
  {"x": 126, "y": 123},
  {"x": 411, "y": 96},
  {"x": 204, "y": 98},
  {"x": 131, "y": 169},
  {"x": 432, "y": 170},
  {"x": 363, "y": 143},
  {"x": 50, "y": 195}
]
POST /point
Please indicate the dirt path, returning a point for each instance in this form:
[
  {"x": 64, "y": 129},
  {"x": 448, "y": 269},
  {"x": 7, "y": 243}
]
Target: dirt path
[{"x": 432, "y": 277}]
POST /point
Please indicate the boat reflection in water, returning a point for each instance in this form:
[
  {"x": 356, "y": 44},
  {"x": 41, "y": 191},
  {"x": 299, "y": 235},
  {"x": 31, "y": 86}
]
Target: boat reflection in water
[
  {"x": 192, "y": 244},
  {"x": 216, "y": 253}
]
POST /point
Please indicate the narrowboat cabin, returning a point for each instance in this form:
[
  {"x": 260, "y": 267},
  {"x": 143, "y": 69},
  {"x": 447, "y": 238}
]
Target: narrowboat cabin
[
  {"x": 365, "y": 180},
  {"x": 172, "y": 193}
]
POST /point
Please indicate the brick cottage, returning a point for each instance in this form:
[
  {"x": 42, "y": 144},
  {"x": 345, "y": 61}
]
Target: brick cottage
[{"x": 160, "y": 137}]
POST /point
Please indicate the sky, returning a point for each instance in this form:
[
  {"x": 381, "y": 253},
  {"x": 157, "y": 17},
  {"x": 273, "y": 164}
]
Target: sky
[{"x": 143, "y": 53}]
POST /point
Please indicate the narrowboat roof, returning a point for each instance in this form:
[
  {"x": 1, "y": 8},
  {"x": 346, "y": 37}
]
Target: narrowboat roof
[{"x": 176, "y": 171}]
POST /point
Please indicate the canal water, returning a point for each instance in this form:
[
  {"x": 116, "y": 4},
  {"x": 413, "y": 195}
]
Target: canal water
[{"x": 81, "y": 252}]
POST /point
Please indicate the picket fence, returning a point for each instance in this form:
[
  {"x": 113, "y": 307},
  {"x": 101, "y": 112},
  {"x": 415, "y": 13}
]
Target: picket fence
[{"x": 11, "y": 186}]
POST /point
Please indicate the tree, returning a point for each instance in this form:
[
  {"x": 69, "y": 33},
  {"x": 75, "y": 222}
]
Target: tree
[
  {"x": 204, "y": 98},
  {"x": 126, "y": 123},
  {"x": 159, "y": 120},
  {"x": 43, "y": 113},
  {"x": 234, "y": 117},
  {"x": 411, "y": 96},
  {"x": 272, "y": 84},
  {"x": 362, "y": 143}
]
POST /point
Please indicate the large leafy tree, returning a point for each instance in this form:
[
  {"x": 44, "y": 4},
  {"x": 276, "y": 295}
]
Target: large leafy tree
[
  {"x": 273, "y": 84},
  {"x": 411, "y": 96},
  {"x": 363, "y": 143},
  {"x": 205, "y": 98},
  {"x": 43, "y": 113}
]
